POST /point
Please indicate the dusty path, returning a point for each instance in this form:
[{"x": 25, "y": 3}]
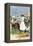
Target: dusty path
[{"x": 18, "y": 37}]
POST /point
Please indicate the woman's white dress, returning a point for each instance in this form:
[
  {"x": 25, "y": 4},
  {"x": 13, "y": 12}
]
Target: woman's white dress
[{"x": 22, "y": 25}]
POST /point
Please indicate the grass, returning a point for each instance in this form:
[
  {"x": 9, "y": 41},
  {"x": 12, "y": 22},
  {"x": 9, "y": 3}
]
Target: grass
[{"x": 20, "y": 34}]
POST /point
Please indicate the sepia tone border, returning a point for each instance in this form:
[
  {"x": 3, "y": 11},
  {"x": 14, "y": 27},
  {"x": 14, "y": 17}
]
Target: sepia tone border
[{"x": 7, "y": 22}]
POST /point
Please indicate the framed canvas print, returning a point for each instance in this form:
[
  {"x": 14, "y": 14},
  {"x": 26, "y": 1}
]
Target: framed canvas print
[{"x": 18, "y": 22}]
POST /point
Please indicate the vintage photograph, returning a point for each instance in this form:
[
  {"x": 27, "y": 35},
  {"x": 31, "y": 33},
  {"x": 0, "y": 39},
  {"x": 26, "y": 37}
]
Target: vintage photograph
[{"x": 19, "y": 23}]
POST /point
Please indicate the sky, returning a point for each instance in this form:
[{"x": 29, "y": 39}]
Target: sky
[{"x": 18, "y": 10}]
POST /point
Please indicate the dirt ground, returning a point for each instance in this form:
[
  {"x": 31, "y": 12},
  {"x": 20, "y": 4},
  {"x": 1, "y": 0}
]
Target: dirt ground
[{"x": 20, "y": 36}]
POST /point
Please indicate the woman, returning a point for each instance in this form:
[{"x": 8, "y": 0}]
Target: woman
[{"x": 22, "y": 25}]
